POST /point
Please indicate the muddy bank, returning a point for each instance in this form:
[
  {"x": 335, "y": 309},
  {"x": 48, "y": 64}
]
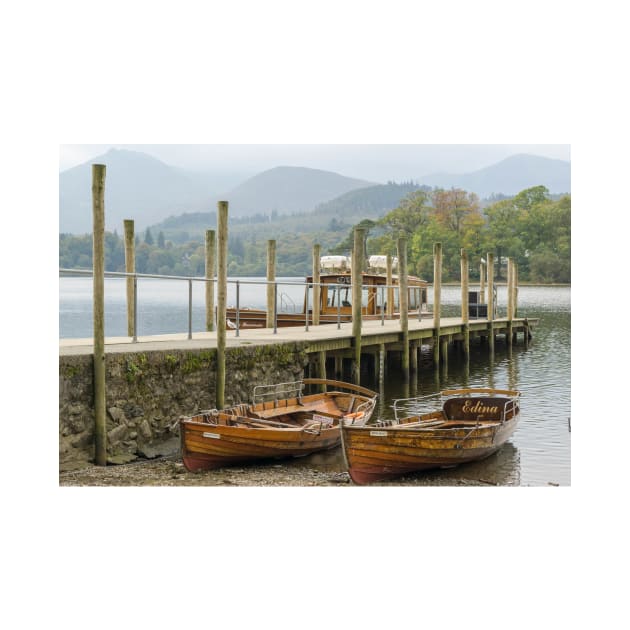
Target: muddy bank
[{"x": 170, "y": 471}]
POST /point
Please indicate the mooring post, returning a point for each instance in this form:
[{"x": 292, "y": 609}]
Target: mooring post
[
  {"x": 404, "y": 305},
  {"x": 491, "y": 301},
  {"x": 271, "y": 277},
  {"x": 510, "y": 300},
  {"x": 437, "y": 299},
  {"x": 130, "y": 267},
  {"x": 357, "y": 291},
  {"x": 482, "y": 282},
  {"x": 444, "y": 351},
  {"x": 413, "y": 356},
  {"x": 390, "y": 287},
  {"x": 321, "y": 359},
  {"x": 98, "y": 273},
  {"x": 211, "y": 255},
  {"x": 515, "y": 289},
  {"x": 381, "y": 364},
  {"x": 338, "y": 366},
  {"x": 316, "y": 280},
  {"x": 382, "y": 358},
  {"x": 465, "y": 320},
  {"x": 222, "y": 228}
]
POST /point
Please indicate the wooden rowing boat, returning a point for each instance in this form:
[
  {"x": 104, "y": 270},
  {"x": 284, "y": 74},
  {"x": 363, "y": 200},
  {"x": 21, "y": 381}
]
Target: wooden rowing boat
[
  {"x": 471, "y": 424},
  {"x": 281, "y": 422}
]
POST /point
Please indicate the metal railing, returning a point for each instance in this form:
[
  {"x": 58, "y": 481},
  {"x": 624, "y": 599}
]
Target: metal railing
[{"x": 308, "y": 286}]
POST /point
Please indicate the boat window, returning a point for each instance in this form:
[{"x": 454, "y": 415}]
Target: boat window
[
  {"x": 365, "y": 297},
  {"x": 345, "y": 296},
  {"x": 332, "y": 294},
  {"x": 381, "y": 297},
  {"x": 311, "y": 297},
  {"x": 413, "y": 298}
]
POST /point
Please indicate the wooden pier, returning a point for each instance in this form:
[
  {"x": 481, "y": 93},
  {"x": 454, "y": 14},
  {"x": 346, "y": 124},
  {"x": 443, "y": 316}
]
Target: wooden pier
[{"x": 327, "y": 338}]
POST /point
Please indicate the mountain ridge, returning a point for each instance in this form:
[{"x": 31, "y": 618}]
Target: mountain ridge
[
  {"x": 516, "y": 172},
  {"x": 143, "y": 188}
]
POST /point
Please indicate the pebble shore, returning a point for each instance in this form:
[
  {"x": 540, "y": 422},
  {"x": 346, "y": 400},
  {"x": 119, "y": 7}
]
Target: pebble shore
[{"x": 170, "y": 471}]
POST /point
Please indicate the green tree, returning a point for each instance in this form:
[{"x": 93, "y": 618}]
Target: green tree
[{"x": 412, "y": 214}]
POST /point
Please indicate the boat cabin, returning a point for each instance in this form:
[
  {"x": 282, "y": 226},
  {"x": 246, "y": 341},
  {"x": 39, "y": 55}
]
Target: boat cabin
[{"x": 336, "y": 289}]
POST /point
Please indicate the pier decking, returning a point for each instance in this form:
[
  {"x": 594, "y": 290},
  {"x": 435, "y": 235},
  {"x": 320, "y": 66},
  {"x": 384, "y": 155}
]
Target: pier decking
[{"x": 322, "y": 338}]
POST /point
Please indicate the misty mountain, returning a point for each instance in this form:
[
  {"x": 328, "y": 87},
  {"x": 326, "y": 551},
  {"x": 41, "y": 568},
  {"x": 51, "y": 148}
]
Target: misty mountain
[
  {"x": 137, "y": 186},
  {"x": 288, "y": 190},
  {"x": 508, "y": 177},
  {"x": 366, "y": 203},
  {"x": 337, "y": 214},
  {"x": 141, "y": 187}
]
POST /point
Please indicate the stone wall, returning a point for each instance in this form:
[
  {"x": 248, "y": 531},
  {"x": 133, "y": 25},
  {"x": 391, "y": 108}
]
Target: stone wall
[{"x": 148, "y": 391}]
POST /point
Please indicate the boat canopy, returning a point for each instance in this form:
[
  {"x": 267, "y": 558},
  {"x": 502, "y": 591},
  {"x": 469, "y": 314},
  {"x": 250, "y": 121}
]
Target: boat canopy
[
  {"x": 380, "y": 262},
  {"x": 335, "y": 262}
]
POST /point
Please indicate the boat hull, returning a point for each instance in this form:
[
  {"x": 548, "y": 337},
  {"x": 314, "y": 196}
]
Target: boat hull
[
  {"x": 205, "y": 447},
  {"x": 274, "y": 428},
  {"x": 374, "y": 454}
]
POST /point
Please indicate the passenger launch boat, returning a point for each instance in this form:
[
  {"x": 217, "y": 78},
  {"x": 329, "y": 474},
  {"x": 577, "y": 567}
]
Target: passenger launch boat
[
  {"x": 281, "y": 422},
  {"x": 470, "y": 425},
  {"x": 335, "y": 300}
]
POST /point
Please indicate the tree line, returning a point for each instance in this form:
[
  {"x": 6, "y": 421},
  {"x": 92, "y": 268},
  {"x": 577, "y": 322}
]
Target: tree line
[{"x": 532, "y": 228}]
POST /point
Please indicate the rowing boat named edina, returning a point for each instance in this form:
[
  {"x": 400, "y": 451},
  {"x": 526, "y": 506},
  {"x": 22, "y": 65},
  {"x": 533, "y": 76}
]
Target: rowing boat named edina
[{"x": 470, "y": 425}]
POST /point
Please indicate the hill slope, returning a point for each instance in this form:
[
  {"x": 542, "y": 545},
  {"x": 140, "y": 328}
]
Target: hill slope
[
  {"x": 287, "y": 190},
  {"x": 137, "y": 186},
  {"x": 509, "y": 176},
  {"x": 141, "y": 187},
  {"x": 337, "y": 214}
]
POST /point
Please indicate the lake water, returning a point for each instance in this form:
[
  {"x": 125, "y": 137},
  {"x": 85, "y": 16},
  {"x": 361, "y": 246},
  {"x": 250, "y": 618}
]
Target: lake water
[{"x": 538, "y": 454}]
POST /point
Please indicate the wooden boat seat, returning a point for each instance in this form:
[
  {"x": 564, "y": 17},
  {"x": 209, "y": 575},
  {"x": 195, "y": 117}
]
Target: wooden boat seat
[{"x": 282, "y": 411}]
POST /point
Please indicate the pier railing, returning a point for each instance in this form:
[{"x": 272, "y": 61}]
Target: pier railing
[{"x": 238, "y": 283}]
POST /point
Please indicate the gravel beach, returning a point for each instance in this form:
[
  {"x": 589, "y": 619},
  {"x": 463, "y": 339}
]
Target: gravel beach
[{"x": 170, "y": 471}]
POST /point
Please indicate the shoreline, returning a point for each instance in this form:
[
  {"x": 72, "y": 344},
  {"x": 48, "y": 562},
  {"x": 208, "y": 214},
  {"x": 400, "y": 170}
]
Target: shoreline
[{"x": 170, "y": 472}]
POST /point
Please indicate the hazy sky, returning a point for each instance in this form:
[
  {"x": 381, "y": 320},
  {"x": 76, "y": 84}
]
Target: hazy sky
[{"x": 368, "y": 161}]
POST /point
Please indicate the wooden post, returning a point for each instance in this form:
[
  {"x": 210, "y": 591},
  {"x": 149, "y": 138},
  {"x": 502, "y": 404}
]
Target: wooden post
[
  {"x": 390, "y": 288},
  {"x": 271, "y": 276},
  {"x": 211, "y": 255},
  {"x": 130, "y": 267},
  {"x": 413, "y": 356},
  {"x": 316, "y": 287},
  {"x": 98, "y": 273},
  {"x": 482, "y": 283},
  {"x": 465, "y": 320},
  {"x": 222, "y": 227},
  {"x": 437, "y": 299},
  {"x": 510, "y": 300},
  {"x": 515, "y": 289},
  {"x": 381, "y": 363},
  {"x": 444, "y": 351},
  {"x": 491, "y": 301},
  {"x": 404, "y": 305},
  {"x": 357, "y": 290},
  {"x": 338, "y": 366},
  {"x": 321, "y": 360}
]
